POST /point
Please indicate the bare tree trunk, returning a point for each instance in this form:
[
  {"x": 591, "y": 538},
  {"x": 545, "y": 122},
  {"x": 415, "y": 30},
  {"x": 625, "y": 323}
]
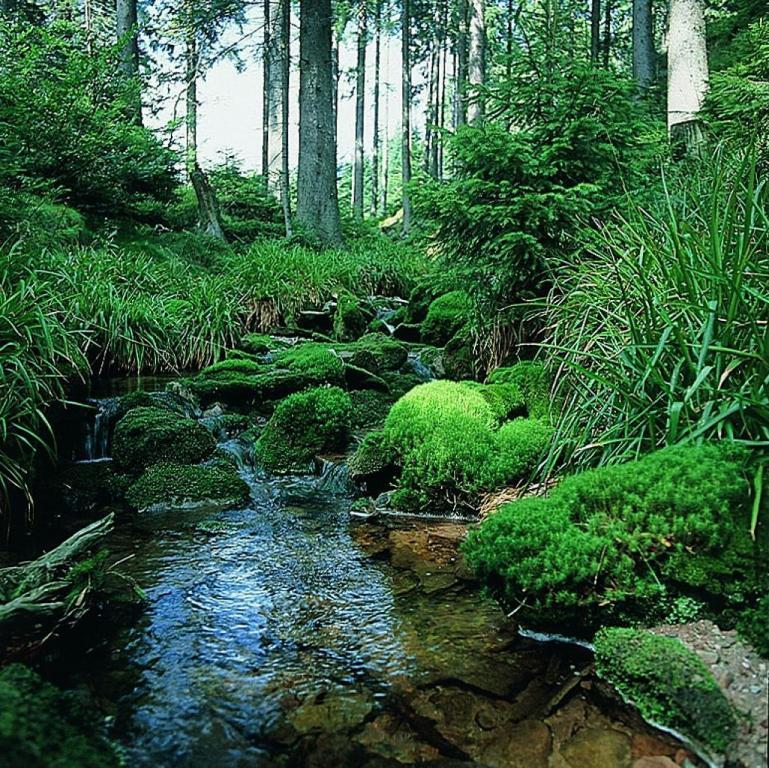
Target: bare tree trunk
[
  {"x": 429, "y": 122},
  {"x": 460, "y": 118},
  {"x": 643, "y": 43},
  {"x": 595, "y": 30},
  {"x": 266, "y": 92},
  {"x": 360, "y": 107},
  {"x": 285, "y": 45},
  {"x": 607, "y": 34},
  {"x": 277, "y": 62},
  {"x": 126, "y": 31},
  {"x": 386, "y": 143},
  {"x": 377, "y": 77},
  {"x": 406, "y": 114},
  {"x": 317, "y": 207},
  {"x": 477, "y": 61},
  {"x": 687, "y": 72},
  {"x": 442, "y": 110},
  {"x": 208, "y": 208}
]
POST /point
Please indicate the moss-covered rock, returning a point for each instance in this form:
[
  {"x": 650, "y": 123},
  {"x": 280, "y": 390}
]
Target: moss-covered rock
[
  {"x": 350, "y": 321},
  {"x": 598, "y": 548},
  {"x": 181, "y": 485},
  {"x": 370, "y": 407},
  {"x": 138, "y": 399},
  {"x": 146, "y": 436},
  {"x": 534, "y": 383},
  {"x": 41, "y": 727},
  {"x": 420, "y": 298},
  {"x": 668, "y": 683},
  {"x": 458, "y": 358},
  {"x": 245, "y": 390},
  {"x": 305, "y": 425},
  {"x": 378, "y": 353},
  {"x": 373, "y": 463},
  {"x": 317, "y": 363},
  {"x": 360, "y": 378},
  {"x": 445, "y": 318},
  {"x": 88, "y": 485}
]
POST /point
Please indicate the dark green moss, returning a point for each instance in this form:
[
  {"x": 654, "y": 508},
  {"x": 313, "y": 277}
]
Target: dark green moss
[
  {"x": 378, "y": 353},
  {"x": 256, "y": 343},
  {"x": 360, "y": 378},
  {"x": 315, "y": 362},
  {"x": 753, "y": 625},
  {"x": 88, "y": 485},
  {"x": 374, "y": 456},
  {"x": 138, "y": 399},
  {"x": 668, "y": 683},
  {"x": 243, "y": 390},
  {"x": 350, "y": 322},
  {"x": 304, "y": 425},
  {"x": 146, "y": 436},
  {"x": 459, "y": 359},
  {"x": 370, "y": 407},
  {"x": 445, "y": 318},
  {"x": 533, "y": 382},
  {"x": 176, "y": 484},
  {"x": 41, "y": 727}
]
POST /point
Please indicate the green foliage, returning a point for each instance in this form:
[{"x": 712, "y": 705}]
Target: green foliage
[
  {"x": 668, "y": 683},
  {"x": 373, "y": 455},
  {"x": 305, "y": 425},
  {"x": 662, "y": 336},
  {"x": 754, "y": 625},
  {"x": 180, "y": 484},
  {"x": 41, "y": 727},
  {"x": 533, "y": 381},
  {"x": 450, "y": 447},
  {"x": 349, "y": 320},
  {"x": 600, "y": 543},
  {"x": 147, "y": 436},
  {"x": 317, "y": 362},
  {"x": 445, "y": 317},
  {"x": 63, "y": 120}
]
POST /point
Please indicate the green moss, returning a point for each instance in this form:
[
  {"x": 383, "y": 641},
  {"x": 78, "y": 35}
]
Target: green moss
[
  {"x": 170, "y": 483},
  {"x": 370, "y": 407},
  {"x": 244, "y": 390},
  {"x": 668, "y": 683},
  {"x": 458, "y": 358},
  {"x": 447, "y": 439},
  {"x": 88, "y": 485},
  {"x": 316, "y": 362},
  {"x": 379, "y": 352},
  {"x": 753, "y": 625},
  {"x": 598, "y": 546},
  {"x": 41, "y": 727},
  {"x": 146, "y": 436},
  {"x": 256, "y": 343},
  {"x": 350, "y": 322},
  {"x": 445, "y": 317},
  {"x": 304, "y": 425},
  {"x": 234, "y": 365},
  {"x": 533, "y": 382},
  {"x": 420, "y": 299},
  {"x": 138, "y": 399},
  {"x": 360, "y": 378},
  {"x": 373, "y": 456}
]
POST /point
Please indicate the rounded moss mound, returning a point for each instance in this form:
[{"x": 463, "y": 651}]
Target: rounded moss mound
[
  {"x": 445, "y": 317},
  {"x": 41, "y": 727},
  {"x": 180, "y": 484},
  {"x": 304, "y": 425},
  {"x": 449, "y": 445},
  {"x": 315, "y": 362},
  {"x": 374, "y": 456},
  {"x": 532, "y": 381},
  {"x": 378, "y": 353},
  {"x": 668, "y": 683},
  {"x": 597, "y": 548},
  {"x": 138, "y": 399},
  {"x": 146, "y": 436}
]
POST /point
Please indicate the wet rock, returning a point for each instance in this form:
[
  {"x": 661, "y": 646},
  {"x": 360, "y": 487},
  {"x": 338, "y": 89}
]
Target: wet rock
[
  {"x": 659, "y": 761},
  {"x": 391, "y": 737},
  {"x": 595, "y": 748},
  {"x": 360, "y": 378},
  {"x": 332, "y": 712},
  {"x": 312, "y": 320},
  {"x": 524, "y": 745},
  {"x": 647, "y": 745},
  {"x": 408, "y": 332}
]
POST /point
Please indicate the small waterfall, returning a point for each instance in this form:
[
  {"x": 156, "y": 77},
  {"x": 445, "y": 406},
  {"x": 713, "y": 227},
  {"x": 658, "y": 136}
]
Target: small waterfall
[
  {"x": 424, "y": 372},
  {"x": 240, "y": 450},
  {"x": 334, "y": 477},
  {"x": 96, "y": 443}
]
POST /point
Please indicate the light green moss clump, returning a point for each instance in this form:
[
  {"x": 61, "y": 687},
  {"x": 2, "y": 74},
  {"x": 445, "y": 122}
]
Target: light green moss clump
[
  {"x": 146, "y": 436},
  {"x": 178, "y": 484},
  {"x": 378, "y": 353},
  {"x": 41, "y": 727},
  {"x": 668, "y": 683},
  {"x": 445, "y": 317},
  {"x": 313, "y": 361},
  {"x": 533, "y": 382},
  {"x": 305, "y": 425},
  {"x": 597, "y": 548},
  {"x": 448, "y": 442}
]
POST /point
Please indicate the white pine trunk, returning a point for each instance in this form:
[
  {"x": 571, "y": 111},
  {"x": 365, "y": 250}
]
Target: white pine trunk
[{"x": 477, "y": 59}]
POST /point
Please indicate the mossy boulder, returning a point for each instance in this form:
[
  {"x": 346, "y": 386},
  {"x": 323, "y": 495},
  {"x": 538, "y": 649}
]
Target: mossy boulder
[
  {"x": 378, "y": 353},
  {"x": 534, "y": 383},
  {"x": 242, "y": 389},
  {"x": 147, "y": 436},
  {"x": 256, "y": 343},
  {"x": 41, "y": 727},
  {"x": 420, "y": 299},
  {"x": 458, "y": 358},
  {"x": 317, "y": 363},
  {"x": 303, "y": 426},
  {"x": 184, "y": 485},
  {"x": 445, "y": 318},
  {"x": 350, "y": 321},
  {"x": 138, "y": 399},
  {"x": 360, "y": 378},
  {"x": 370, "y": 407},
  {"x": 88, "y": 485},
  {"x": 374, "y": 463},
  {"x": 668, "y": 684},
  {"x": 597, "y": 549}
]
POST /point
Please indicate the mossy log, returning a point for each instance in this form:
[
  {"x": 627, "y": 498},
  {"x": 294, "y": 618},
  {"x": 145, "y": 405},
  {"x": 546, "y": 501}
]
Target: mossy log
[{"x": 39, "y": 597}]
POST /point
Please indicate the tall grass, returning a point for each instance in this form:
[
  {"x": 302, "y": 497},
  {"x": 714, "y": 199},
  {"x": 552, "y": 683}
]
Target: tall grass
[{"x": 662, "y": 336}]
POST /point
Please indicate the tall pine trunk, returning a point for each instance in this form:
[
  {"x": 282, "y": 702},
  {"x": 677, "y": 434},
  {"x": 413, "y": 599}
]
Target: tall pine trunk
[
  {"x": 643, "y": 43},
  {"x": 285, "y": 55},
  {"x": 607, "y": 33},
  {"x": 360, "y": 107},
  {"x": 406, "y": 114},
  {"x": 460, "y": 115},
  {"x": 126, "y": 31},
  {"x": 317, "y": 204},
  {"x": 277, "y": 63},
  {"x": 595, "y": 30},
  {"x": 376, "y": 128},
  {"x": 477, "y": 61},
  {"x": 687, "y": 72},
  {"x": 266, "y": 93}
]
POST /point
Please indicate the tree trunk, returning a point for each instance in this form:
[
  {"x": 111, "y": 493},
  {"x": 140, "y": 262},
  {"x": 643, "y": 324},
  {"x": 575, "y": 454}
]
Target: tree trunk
[
  {"x": 360, "y": 107},
  {"x": 386, "y": 142},
  {"x": 285, "y": 71},
  {"x": 643, "y": 43},
  {"x": 277, "y": 61},
  {"x": 208, "y": 206},
  {"x": 607, "y": 34},
  {"x": 687, "y": 72},
  {"x": 595, "y": 30},
  {"x": 377, "y": 76},
  {"x": 460, "y": 117},
  {"x": 266, "y": 93},
  {"x": 317, "y": 206},
  {"x": 477, "y": 61},
  {"x": 126, "y": 31},
  {"x": 406, "y": 114}
]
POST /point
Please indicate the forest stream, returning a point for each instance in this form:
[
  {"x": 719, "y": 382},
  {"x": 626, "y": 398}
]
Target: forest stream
[{"x": 289, "y": 633}]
